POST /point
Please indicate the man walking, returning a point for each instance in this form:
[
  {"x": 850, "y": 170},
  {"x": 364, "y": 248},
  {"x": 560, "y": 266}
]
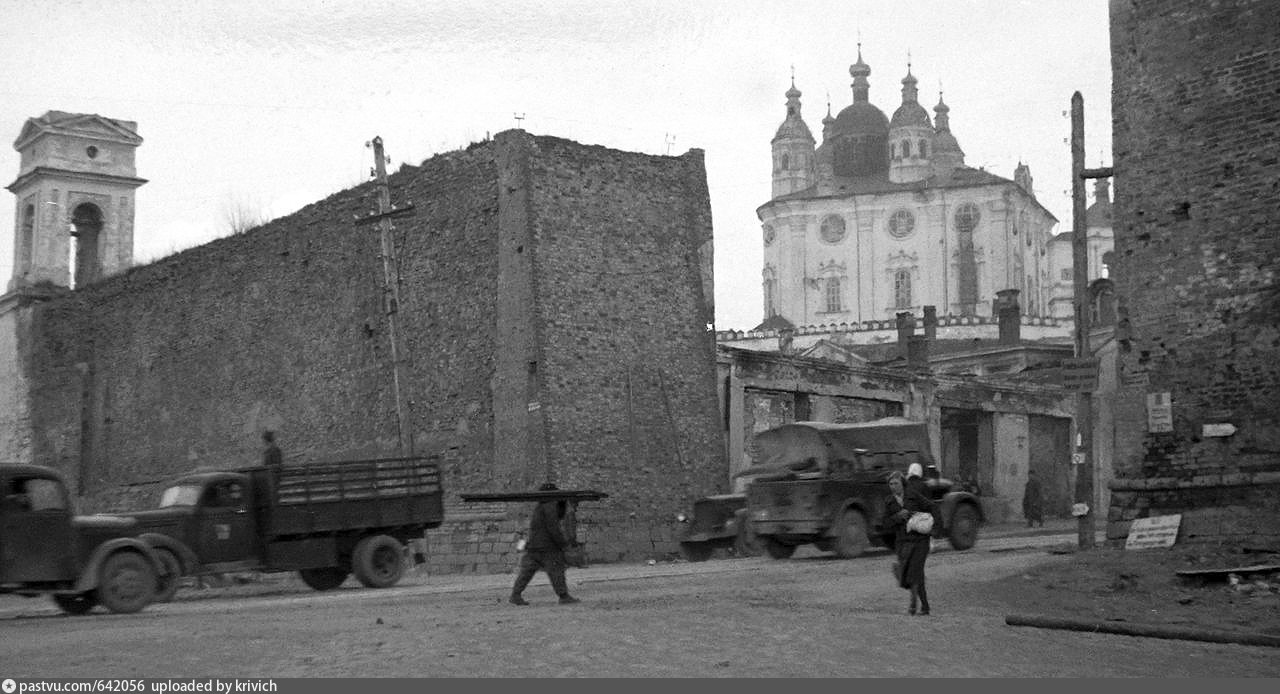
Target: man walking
[
  {"x": 544, "y": 550},
  {"x": 1033, "y": 500}
]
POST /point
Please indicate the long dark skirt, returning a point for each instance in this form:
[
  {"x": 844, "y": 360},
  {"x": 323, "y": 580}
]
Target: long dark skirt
[{"x": 913, "y": 550}]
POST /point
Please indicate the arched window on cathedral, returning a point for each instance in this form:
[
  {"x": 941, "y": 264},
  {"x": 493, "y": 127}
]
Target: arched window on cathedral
[
  {"x": 784, "y": 161},
  {"x": 893, "y": 150},
  {"x": 902, "y": 288},
  {"x": 833, "y": 295},
  {"x": 86, "y": 227},
  {"x": 770, "y": 293},
  {"x": 967, "y": 217},
  {"x": 26, "y": 241},
  {"x": 906, "y": 148},
  {"x": 924, "y": 148}
]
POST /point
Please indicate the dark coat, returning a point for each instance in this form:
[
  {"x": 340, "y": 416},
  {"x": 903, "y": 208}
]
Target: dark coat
[
  {"x": 912, "y": 548},
  {"x": 1032, "y": 500},
  {"x": 271, "y": 457},
  {"x": 545, "y": 533}
]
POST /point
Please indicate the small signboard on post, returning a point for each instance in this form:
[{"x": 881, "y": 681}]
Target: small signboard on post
[
  {"x": 1080, "y": 375},
  {"x": 1156, "y": 531}
]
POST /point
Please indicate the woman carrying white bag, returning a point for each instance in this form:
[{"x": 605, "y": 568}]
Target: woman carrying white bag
[{"x": 909, "y": 512}]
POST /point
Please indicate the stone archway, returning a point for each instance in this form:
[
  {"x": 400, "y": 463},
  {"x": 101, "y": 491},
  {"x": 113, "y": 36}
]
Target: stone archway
[{"x": 86, "y": 229}]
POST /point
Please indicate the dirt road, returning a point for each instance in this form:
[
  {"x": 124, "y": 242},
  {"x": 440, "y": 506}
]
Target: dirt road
[{"x": 723, "y": 618}]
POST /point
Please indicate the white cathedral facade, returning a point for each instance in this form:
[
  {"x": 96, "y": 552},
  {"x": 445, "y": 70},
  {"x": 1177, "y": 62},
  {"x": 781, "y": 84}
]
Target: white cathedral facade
[{"x": 883, "y": 217}]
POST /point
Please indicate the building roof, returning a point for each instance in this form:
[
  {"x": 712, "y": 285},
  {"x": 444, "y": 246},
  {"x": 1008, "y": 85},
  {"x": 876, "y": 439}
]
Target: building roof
[
  {"x": 89, "y": 125},
  {"x": 775, "y": 322}
]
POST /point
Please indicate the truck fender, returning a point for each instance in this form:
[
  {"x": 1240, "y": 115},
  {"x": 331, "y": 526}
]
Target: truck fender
[
  {"x": 89, "y": 572},
  {"x": 186, "y": 557},
  {"x": 951, "y": 500}
]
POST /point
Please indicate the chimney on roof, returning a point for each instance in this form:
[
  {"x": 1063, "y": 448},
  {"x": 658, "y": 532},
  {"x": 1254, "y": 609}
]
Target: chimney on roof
[
  {"x": 918, "y": 351},
  {"x": 1010, "y": 316},
  {"x": 931, "y": 322},
  {"x": 906, "y": 328},
  {"x": 786, "y": 336}
]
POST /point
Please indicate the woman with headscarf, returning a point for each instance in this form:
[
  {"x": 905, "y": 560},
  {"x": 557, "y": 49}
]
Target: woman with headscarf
[{"x": 908, "y": 496}]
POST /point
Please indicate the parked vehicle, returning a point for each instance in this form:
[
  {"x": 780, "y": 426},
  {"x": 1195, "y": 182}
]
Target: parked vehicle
[
  {"x": 323, "y": 520},
  {"x": 716, "y": 522},
  {"x": 826, "y": 484},
  {"x": 79, "y": 561}
]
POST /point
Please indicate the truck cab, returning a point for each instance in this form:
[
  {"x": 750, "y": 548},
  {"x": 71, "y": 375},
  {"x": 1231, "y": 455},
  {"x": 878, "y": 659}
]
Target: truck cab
[{"x": 80, "y": 561}]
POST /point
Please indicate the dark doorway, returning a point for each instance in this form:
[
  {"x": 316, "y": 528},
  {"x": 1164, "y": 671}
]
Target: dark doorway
[
  {"x": 1050, "y": 457},
  {"x": 86, "y": 223},
  {"x": 968, "y": 451}
]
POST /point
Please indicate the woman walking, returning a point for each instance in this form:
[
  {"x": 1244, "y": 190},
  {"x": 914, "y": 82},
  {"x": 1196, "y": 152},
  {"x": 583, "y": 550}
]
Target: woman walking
[{"x": 908, "y": 496}]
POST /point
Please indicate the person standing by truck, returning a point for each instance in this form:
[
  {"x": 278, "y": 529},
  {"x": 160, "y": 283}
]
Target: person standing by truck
[
  {"x": 544, "y": 550},
  {"x": 912, "y": 548}
]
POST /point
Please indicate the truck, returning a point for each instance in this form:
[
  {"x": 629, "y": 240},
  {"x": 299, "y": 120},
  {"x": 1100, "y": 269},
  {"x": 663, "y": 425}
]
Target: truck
[
  {"x": 717, "y": 521},
  {"x": 324, "y": 520},
  {"x": 78, "y": 561},
  {"x": 825, "y": 484}
]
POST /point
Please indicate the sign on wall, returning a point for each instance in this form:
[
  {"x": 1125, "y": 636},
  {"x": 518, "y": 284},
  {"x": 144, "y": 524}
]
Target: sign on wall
[
  {"x": 1156, "y": 531},
  {"x": 1080, "y": 375},
  {"x": 1159, "y": 413}
]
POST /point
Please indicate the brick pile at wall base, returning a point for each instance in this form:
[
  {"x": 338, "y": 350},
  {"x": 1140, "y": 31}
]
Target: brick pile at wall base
[
  {"x": 554, "y": 304},
  {"x": 1197, "y": 165}
]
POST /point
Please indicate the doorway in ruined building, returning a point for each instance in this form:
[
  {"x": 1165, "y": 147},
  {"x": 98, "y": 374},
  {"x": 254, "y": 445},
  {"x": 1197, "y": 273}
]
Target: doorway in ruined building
[
  {"x": 968, "y": 448},
  {"x": 86, "y": 229},
  {"x": 1050, "y": 457}
]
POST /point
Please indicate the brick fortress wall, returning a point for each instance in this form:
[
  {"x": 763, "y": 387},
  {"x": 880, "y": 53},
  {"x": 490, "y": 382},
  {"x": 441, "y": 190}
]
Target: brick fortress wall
[
  {"x": 554, "y": 307},
  {"x": 1197, "y": 164}
]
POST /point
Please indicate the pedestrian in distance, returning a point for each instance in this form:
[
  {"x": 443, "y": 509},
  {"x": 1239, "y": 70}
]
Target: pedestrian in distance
[
  {"x": 544, "y": 550},
  {"x": 1033, "y": 500},
  {"x": 908, "y": 496},
  {"x": 271, "y": 457}
]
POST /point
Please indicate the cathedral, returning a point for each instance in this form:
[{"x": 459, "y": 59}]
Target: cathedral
[{"x": 883, "y": 217}]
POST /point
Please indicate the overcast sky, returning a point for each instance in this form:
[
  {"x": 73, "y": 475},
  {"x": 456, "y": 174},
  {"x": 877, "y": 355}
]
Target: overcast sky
[{"x": 269, "y": 103}]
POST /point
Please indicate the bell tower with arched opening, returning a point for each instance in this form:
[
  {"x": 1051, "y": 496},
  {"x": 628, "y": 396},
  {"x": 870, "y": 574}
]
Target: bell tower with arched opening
[{"x": 75, "y": 199}]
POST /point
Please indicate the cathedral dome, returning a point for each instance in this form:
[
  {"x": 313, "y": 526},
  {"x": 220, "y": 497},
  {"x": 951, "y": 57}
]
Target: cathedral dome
[
  {"x": 793, "y": 128},
  {"x": 910, "y": 114},
  {"x": 860, "y": 118}
]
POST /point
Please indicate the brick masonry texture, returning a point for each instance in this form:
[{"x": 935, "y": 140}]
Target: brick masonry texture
[
  {"x": 555, "y": 299},
  {"x": 1196, "y": 109}
]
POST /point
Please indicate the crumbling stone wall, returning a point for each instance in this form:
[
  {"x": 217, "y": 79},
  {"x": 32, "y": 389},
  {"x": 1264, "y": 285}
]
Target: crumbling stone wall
[
  {"x": 1197, "y": 163},
  {"x": 554, "y": 305}
]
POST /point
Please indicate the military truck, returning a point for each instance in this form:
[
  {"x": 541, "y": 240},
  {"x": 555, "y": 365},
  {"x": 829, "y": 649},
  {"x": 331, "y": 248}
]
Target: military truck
[
  {"x": 79, "y": 561},
  {"x": 323, "y": 520},
  {"x": 718, "y": 521},
  {"x": 826, "y": 484}
]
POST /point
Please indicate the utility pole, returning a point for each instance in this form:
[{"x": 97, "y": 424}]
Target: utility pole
[
  {"x": 1085, "y": 493},
  {"x": 391, "y": 292}
]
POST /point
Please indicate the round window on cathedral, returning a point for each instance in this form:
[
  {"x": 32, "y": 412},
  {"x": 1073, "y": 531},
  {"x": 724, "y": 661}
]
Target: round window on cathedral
[
  {"x": 769, "y": 235},
  {"x": 901, "y": 224},
  {"x": 832, "y": 230},
  {"x": 91, "y": 151}
]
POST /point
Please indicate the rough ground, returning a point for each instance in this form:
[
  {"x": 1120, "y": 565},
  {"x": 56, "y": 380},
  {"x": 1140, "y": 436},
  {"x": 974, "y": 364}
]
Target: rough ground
[{"x": 1142, "y": 586}]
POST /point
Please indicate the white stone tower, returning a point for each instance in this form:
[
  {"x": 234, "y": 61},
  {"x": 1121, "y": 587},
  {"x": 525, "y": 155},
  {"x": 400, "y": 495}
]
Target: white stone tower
[
  {"x": 75, "y": 199},
  {"x": 793, "y": 145},
  {"x": 910, "y": 136}
]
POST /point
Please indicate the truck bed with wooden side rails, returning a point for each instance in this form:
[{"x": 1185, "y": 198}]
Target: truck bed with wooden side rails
[{"x": 323, "y": 520}]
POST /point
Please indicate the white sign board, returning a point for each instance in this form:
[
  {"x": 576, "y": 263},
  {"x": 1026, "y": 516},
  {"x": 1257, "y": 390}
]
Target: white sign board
[
  {"x": 1159, "y": 413},
  {"x": 1157, "y": 531}
]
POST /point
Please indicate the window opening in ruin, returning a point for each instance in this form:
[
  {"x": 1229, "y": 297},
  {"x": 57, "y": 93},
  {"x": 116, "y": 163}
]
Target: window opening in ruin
[
  {"x": 86, "y": 227},
  {"x": 26, "y": 241},
  {"x": 902, "y": 288}
]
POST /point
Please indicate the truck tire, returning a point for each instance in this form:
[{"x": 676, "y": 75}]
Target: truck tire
[
  {"x": 962, "y": 531},
  {"x": 851, "y": 534},
  {"x": 696, "y": 551},
  {"x": 167, "y": 582},
  {"x": 126, "y": 582},
  {"x": 77, "y": 604},
  {"x": 326, "y": 578},
  {"x": 378, "y": 561},
  {"x": 776, "y": 549}
]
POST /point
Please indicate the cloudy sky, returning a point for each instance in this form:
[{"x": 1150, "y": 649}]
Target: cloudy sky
[{"x": 268, "y": 103}]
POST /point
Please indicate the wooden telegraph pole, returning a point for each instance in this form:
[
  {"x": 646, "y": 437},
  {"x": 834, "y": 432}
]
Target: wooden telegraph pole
[
  {"x": 391, "y": 292},
  {"x": 1086, "y": 496}
]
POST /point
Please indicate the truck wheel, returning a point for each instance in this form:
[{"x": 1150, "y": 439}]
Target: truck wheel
[
  {"x": 776, "y": 549},
  {"x": 167, "y": 582},
  {"x": 851, "y": 534},
  {"x": 963, "y": 529},
  {"x": 77, "y": 604},
  {"x": 378, "y": 561},
  {"x": 696, "y": 551},
  {"x": 126, "y": 583},
  {"x": 747, "y": 543},
  {"x": 326, "y": 578}
]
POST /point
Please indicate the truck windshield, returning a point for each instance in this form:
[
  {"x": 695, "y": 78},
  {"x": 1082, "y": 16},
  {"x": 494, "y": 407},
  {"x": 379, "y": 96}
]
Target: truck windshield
[{"x": 180, "y": 495}]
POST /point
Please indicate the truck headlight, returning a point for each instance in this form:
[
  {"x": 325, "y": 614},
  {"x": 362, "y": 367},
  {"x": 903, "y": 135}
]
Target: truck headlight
[{"x": 682, "y": 518}]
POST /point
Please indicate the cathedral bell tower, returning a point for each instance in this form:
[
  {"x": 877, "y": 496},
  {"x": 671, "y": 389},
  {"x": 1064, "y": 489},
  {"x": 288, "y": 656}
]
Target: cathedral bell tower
[
  {"x": 75, "y": 199},
  {"x": 793, "y": 149}
]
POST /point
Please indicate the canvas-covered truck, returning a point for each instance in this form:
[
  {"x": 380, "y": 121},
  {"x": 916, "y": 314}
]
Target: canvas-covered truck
[
  {"x": 79, "y": 561},
  {"x": 324, "y": 520},
  {"x": 826, "y": 484}
]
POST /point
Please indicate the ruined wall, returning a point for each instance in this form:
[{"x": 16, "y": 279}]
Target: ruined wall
[
  {"x": 1197, "y": 167},
  {"x": 553, "y": 308}
]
